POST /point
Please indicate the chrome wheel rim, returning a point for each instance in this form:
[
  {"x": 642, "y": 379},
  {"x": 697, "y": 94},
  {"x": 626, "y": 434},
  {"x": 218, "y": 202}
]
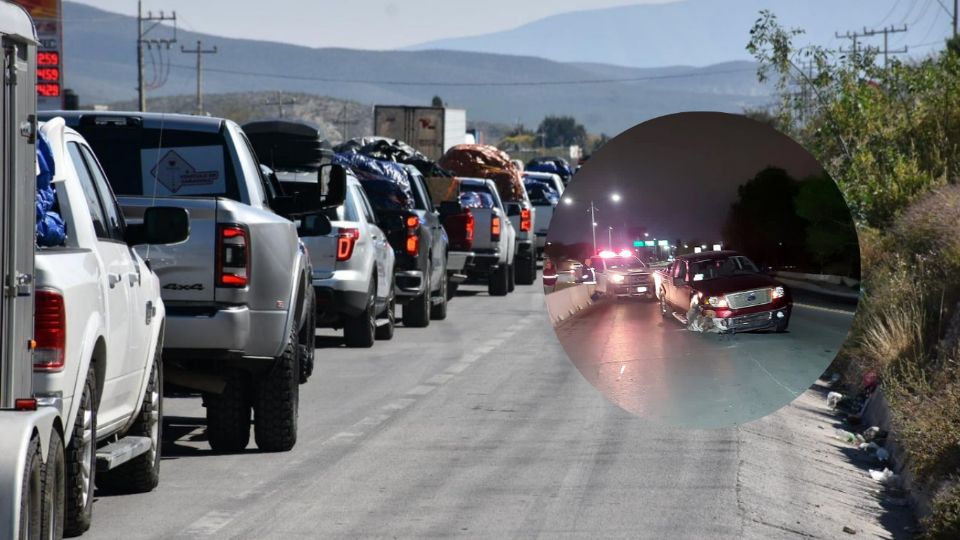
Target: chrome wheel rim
[{"x": 86, "y": 448}]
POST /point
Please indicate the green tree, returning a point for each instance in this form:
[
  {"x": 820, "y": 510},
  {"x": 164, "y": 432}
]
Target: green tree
[
  {"x": 830, "y": 234},
  {"x": 437, "y": 101},
  {"x": 562, "y": 131}
]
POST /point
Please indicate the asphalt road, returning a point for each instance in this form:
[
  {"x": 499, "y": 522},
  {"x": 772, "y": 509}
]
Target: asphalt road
[
  {"x": 477, "y": 426},
  {"x": 654, "y": 367}
]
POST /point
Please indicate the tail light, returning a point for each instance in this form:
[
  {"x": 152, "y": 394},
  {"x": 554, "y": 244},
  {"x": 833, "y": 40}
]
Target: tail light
[
  {"x": 468, "y": 227},
  {"x": 413, "y": 235},
  {"x": 233, "y": 261},
  {"x": 50, "y": 331},
  {"x": 495, "y": 228},
  {"x": 525, "y": 222},
  {"x": 346, "y": 240}
]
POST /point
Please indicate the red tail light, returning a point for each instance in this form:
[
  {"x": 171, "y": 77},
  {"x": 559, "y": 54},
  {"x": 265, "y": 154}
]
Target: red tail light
[
  {"x": 469, "y": 228},
  {"x": 460, "y": 228},
  {"x": 50, "y": 331},
  {"x": 525, "y": 222},
  {"x": 346, "y": 239},
  {"x": 495, "y": 228},
  {"x": 233, "y": 257},
  {"x": 413, "y": 235}
]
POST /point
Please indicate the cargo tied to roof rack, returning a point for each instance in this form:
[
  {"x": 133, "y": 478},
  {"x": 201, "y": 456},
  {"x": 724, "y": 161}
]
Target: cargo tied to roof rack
[
  {"x": 288, "y": 146},
  {"x": 386, "y": 149}
]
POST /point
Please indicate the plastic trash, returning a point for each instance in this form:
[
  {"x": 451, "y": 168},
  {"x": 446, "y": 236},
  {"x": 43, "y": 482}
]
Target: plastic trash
[
  {"x": 869, "y": 447},
  {"x": 833, "y": 399},
  {"x": 871, "y": 433},
  {"x": 885, "y": 476},
  {"x": 844, "y": 435},
  {"x": 882, "y": 454},
  {"x": 834, "y": 379}
]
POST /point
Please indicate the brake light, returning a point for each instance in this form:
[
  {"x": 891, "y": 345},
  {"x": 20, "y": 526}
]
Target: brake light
[
  {"x": 469, "y": 227},
  {"x": 233, "y": 257},
  {"x": 495, "y": 228},
  {"x": 525, "y": 222},
  {"x": 25, "y": 404},
  {"x": 346, "y": 239},
  {"x": 413, "y": 235},
  {"x": 50, "y": 331},
  {"x": 460, "y": 229}
]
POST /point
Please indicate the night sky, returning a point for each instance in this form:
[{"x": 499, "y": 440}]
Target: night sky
[{"x": 676, "y": 175}]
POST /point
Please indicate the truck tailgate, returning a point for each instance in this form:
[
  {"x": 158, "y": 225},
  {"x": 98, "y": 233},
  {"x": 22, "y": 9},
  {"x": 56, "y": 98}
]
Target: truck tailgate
[
  {"x": 481, "y": 230},
  {"x": 186, "y": 270}
]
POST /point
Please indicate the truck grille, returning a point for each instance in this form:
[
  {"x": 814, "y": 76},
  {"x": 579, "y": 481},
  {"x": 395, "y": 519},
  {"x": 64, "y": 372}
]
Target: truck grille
[
  {"x": 753, "y": 320},
  {"x": 745, "y": 299}
]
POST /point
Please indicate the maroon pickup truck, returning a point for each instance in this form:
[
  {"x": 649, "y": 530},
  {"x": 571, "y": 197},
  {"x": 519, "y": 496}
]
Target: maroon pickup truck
[{"x": 725, "y": 290}]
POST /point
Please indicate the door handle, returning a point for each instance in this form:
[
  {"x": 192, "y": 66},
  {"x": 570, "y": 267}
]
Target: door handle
[
  {"x": 134, "y": 278},
  {"x": 113, "y": 279}
]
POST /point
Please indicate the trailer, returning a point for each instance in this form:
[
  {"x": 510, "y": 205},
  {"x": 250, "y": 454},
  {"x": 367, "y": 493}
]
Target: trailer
[
  {"x": 431, "y": 130},
  {"x": 31, "y": 431}
]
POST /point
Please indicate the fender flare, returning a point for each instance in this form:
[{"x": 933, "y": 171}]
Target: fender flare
[
  {"x": 92, "y": 335},
  {"x": 296, "y": 298}
]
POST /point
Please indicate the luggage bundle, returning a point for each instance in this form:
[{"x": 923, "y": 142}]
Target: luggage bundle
[{"x": 482, "y": 161}]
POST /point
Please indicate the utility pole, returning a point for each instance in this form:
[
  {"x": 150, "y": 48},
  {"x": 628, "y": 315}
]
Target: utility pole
[
  {"x": 141, "y": 41},
  {"x": 593, "y": 225},
  {"x": 199, "y": 51},
  {"x": 887, "y": 30},
  {"x": 854, "y": 37},
  {"x": 280, "y": 102}
]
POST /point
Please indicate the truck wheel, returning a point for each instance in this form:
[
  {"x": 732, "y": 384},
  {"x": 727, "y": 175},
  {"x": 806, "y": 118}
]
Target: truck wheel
[
  {"x": 81, "y": 462},
  {"x": 782, "y": 324},
  {"x": 527, "y": 271},
  {"x": 228, "y": 415},
  {"x": 385, "y": 331},
  {"x": 31, "y": 492},
  {"x": 664, "y": 309},
  {"x": 438, "y": 311},
  {"x": 416, "y": 312},
  {"x": 452, "y": 289},
  {"x": 142, "y": 473},
  {"x": 499, "y": 281},
  {"x": 512, "y": 277},
  {"x": 278, "y": 400},
  {"x": 359, "y": 331},
  {"x": 54, "y": 485},
  {"x": 308, "y": 337}
]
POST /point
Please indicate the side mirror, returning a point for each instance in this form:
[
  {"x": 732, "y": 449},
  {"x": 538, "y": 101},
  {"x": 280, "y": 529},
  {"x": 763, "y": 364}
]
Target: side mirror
[
  {"x": 161, "y": 225},
  {"x": 513, "y": 209},
  {"x": 331, "y": 192},
  {"x": 333, "y": 185},
  {"x": 314, "y": 225}
]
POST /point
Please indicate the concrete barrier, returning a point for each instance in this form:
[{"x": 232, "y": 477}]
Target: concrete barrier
[
  {"x": 565, "y": 303},
  {"x": 825, "y": 278}
]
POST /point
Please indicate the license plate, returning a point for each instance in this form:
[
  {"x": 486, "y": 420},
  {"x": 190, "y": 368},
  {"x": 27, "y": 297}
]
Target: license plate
[{"x": 641, "y": 289}]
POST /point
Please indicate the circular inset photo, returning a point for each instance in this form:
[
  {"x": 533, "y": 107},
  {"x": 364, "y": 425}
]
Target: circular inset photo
[{"x": 701, "y": 270}]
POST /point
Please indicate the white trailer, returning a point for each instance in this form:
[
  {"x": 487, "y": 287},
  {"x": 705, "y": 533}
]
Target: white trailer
[
  {"x": 431, "y": 130},
  {"x": 31, "y": 431}
]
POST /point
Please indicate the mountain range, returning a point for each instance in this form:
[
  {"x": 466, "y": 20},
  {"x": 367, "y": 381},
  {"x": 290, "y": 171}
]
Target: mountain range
[{"x": 100, "y": 65}]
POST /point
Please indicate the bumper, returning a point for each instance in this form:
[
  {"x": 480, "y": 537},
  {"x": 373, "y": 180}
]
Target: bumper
[
  {"x": 634, "y": 289},
  {"x": 525, "y": 249},
  {"x": 485, "y": 261},
  {"x": 226, "y": 329},
  {"x": 541, "y": 241},
  {"x": 458, "y": 261},
  {"x": 759, "y": 320},
  {"x": 345, "y": 292},
  {"x": 409, "y": 283}
]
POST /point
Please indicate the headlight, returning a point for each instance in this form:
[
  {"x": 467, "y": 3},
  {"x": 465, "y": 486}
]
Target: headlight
[
  {"x": 616, "y": 278},
  {"x": 717, "y": 301},
  {"x": 779, "y": 292}
]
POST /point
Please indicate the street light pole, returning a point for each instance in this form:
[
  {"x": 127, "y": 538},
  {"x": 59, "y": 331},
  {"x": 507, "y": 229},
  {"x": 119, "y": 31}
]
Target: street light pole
[
  {"x": 610, "y": 237},
  {"x": 593, "y": 224}
]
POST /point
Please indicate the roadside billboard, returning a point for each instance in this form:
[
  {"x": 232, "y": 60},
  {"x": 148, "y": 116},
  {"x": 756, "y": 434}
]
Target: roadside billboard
[{"x": 47, "y": 16}]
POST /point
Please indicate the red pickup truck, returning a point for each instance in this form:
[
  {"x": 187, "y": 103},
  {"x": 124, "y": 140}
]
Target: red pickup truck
[{"x": 724, "y": 291}]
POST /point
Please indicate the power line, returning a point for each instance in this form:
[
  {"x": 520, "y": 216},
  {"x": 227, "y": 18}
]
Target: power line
[
  {"x": 142, "y": 40},
  {"x": 199, "y": 51},
  {"x": 470, "y": 84},
  {"x": 886, "y": 46}
]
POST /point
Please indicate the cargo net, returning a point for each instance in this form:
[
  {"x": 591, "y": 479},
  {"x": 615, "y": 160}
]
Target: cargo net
[{"x": 482, "y": 161}]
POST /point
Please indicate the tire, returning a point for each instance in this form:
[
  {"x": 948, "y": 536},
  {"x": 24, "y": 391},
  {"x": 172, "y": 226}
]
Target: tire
[
  {"x": 452, "y": 289},
  {"x": 385, "y": 331},
  {"x": 438, "y": 311},
  {"x": 527, "y": 271},
  {"x": 307, "y": 338},
  {"x": 664, "y": 308},
  {"x": 359, "y": 331},
  {"x": 416, "y": 312},
  {"x": 512, "y": 277},
  {"x": 81, "y": 462},
  {"x": 142, "y": 473},
  {"x": 31, "y": 492},
  {"x": 499, "y": 284},
  {"x": 54, "y": 486},
  {"x": 278, "y": 402},
  {"x": 782, "y": 325},
  {"x": 228, "y": 415}
]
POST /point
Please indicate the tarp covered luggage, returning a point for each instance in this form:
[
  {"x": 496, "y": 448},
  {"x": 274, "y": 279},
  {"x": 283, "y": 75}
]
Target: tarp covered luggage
[
  {"x": 555, "y": 165},
  {"x": 51, "y": 230},
  {"x": 386, "y": 149},
  {"x": 368, "y": 169},
  {"x": 482, "y": 161}
]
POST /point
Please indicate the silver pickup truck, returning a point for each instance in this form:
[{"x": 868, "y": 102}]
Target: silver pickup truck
[{"x": 238, "y": 293}]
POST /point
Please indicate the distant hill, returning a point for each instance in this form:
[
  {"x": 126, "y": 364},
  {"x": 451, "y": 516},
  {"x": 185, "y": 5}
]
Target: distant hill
[
  {"x": 100, "y": 58},
  {"x": 684, "y": 32}
]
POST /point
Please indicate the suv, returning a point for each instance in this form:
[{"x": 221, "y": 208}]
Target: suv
[
  {"x": 352, "y": 268},
  {"x": 243, "y": 333}
]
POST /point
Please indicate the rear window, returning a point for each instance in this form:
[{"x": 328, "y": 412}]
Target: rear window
[{"x": 154, "y": 162}]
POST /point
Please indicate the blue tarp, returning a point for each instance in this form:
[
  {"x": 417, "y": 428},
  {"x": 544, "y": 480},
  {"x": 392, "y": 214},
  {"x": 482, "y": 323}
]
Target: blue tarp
[
  {"x": 368, "y": 169},
  {"x": 555, "y": 167},
  {"x": 50, "y": 228}
]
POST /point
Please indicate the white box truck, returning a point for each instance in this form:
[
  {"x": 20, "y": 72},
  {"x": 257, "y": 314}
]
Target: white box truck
[{"x": 431, "y": 130}]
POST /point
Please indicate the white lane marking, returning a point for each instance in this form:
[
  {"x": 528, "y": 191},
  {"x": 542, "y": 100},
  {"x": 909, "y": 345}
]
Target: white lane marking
[
  {"x": 821, "y": 308},
  {"x": 439, "y": 378},
  {"x": 488, "y": 347},
  {"x": 399, "y": 404},
  {"x": 422, "y": 390},
  {"x": 208, "y": 525},
  {"x": 785, "y": 387},
  {"x": 470, "y": 358},
  {"x": 458, "y": 367},
  {"x": 505, "y": 334},
  {"x": 346, "y": 436},
  {"x": 373, "y": 420}
]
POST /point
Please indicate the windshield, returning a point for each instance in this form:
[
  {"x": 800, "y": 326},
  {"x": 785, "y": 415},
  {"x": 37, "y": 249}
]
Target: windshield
[
  {"x": 722, "y": 267},
  {"x": 626, "y": 263},
  {"x": 147, "y": 162}
]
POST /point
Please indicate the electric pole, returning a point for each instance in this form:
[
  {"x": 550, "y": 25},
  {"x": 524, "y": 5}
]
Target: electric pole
[
  {"x": 199, "y": 51},
  {"x": 593, "y": 225},
  {"x": 280, "y": 102},
  {"x": 886, "y": 47},
  {"x": 854, "y": 37},
  {"x": 141, "y": 41}
]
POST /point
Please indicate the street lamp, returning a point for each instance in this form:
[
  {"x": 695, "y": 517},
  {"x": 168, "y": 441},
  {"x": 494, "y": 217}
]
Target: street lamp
[
  {"x": 610, "y": 238},
  {"x": 567, "y": 200},
  {"x": 615, "y": 197}
]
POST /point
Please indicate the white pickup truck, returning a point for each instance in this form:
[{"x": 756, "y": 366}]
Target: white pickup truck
[
  {"x": 99, "y": 330},
  {"x": 240, "y": 305},
  {"x": 494, "y": 241}
]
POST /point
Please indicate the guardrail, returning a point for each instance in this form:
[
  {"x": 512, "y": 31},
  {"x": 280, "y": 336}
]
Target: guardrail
[
  {"x": 824, "y": 278},
  {"x": 565, "y": 303}
]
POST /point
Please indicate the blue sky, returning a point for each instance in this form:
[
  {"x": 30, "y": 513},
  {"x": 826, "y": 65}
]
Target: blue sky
[{"x": 363, "y": 24}]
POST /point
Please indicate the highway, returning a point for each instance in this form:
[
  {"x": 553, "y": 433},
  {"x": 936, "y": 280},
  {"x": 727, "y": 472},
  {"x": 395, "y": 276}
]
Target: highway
[
  {"x": 656, "y": 368},
  {"x": 478, "y": 426}
]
